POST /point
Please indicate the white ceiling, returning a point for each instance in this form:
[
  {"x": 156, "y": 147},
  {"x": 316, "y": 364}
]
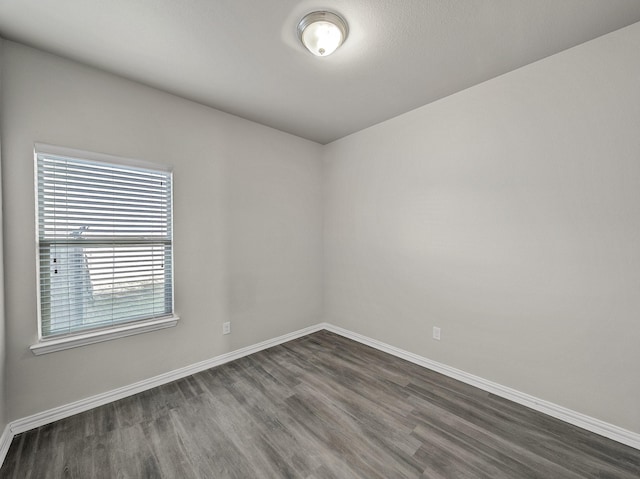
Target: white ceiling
[{"x": 243, "y": 56}]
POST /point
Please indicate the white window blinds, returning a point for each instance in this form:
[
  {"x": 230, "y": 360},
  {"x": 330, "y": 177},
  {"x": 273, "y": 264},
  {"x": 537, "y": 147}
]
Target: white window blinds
[{"x": 104, "y": 242}]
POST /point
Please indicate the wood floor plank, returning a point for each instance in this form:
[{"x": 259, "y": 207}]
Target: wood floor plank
[{"x": 318, "y": 407}]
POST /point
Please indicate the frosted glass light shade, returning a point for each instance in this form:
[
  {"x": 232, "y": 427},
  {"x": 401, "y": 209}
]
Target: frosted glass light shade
[{"x": 322, "y": 32}]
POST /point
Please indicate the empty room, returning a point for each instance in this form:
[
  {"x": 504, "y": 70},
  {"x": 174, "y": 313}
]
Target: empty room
[{"x": 320, "y": 239}]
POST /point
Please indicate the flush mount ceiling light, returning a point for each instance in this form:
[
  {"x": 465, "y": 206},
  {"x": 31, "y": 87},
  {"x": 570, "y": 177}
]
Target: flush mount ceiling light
[{"x": 322, "y": 32}]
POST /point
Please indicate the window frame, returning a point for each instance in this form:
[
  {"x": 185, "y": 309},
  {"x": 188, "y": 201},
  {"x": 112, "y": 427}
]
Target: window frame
[{"x": 105, "y": 333}]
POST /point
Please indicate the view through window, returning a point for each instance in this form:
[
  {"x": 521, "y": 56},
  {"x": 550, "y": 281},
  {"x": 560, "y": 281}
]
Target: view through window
[{"x": 104, "y": 242}]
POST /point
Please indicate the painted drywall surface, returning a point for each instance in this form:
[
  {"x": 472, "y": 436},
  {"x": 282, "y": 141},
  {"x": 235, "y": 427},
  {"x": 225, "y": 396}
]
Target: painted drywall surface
[
  {"x": 248, "y": 223},
  {"x": 509, "y": 216},
  {"x": 3, "y": 421}
]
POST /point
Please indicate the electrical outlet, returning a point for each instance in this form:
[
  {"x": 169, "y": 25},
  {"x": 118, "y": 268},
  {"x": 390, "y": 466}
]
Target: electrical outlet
[
  {"x": 436, "y": 333},
  {"x": 226, "y": 327}
]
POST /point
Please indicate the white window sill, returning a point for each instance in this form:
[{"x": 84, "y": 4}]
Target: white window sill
[{"x": 52, "y": 345}]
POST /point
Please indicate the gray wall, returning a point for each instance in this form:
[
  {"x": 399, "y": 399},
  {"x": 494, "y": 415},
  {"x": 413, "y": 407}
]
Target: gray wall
[
  {"x": 3, "y": 417},
  {"x": 509, "y": 216},
  {"x": 248, "y": 224}
]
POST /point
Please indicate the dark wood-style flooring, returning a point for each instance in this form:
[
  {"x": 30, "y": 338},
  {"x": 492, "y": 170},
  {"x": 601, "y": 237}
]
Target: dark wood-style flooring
[{"x": 321, "y": 406}]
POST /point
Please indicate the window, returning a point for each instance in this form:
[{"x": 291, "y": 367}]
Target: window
[{"x": 104, "y": 244}]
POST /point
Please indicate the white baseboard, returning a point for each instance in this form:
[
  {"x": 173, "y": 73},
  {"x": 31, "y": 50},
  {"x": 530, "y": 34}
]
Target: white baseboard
[
  {"x": 559, "y": 412},
  {"x": 572, "y": 417},
  {"x": 5, "y": 442},
  {"x": 61, "y": 412}
]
